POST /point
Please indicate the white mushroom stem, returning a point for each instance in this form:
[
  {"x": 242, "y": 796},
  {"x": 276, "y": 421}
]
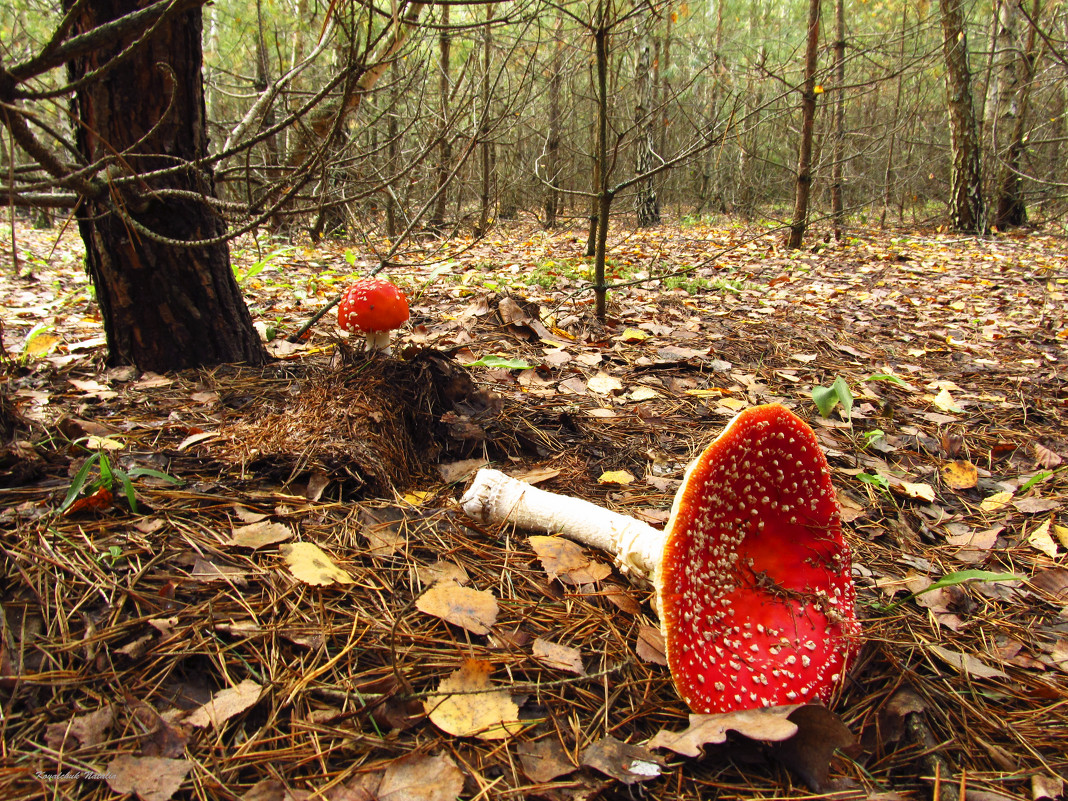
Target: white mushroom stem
[
  {"x": 378, "y": 341},
  {"x": 495, "y": 499}
]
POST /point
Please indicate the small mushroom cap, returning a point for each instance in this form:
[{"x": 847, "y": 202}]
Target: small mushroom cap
[
  {"x": 370, "y": 305},
  {"x": 755, "y": 588}
]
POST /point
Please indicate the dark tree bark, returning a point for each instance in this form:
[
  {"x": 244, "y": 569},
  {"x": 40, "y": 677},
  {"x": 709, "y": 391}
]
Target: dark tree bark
[
  {"x": 165, "y": 306},
  {"x": 1016, "y": 56},
  {"x": 838, "y": 136},
  {"x": 646, "y": 203},
  {"x": 485, "y": 143},
  {"x": 552, "y": 144},
  {"x": 602, "y": 190},
  {"x": 966, "y": 186},
  {"x": 888, "y": 173},
  {"x": 808, "y": 122},
  {"x": 444, "y": 167}
]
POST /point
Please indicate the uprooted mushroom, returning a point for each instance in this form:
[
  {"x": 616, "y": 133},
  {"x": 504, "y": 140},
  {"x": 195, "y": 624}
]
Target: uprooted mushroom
[{"x": 752, "y": 574}]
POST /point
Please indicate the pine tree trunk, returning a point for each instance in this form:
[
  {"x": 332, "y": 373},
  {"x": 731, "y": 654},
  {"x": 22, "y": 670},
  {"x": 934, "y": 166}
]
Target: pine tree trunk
[
  {"x": 646, "y": 203},
  {"x": 838, "y": 147},
  {"x": 1015, "y": 73},
  {"x": 552, "y": 144},
  {"x": 165, "y": 306},
  {"x": 808, "y": 122},
  {"x": 966, "y": 186},
  {"x": 485, "y": 144},
  {"x": 437, "y": 218}
]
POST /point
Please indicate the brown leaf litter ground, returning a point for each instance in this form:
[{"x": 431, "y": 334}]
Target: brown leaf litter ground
[{"x": 189, "y": 650}]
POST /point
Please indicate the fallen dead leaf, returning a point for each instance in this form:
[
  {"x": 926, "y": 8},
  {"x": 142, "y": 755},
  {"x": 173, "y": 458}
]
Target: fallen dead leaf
[
  {"x": 441, "y": 570},
  {"x": 1041, "y": 539},
  {"x": 770, "y": 724},
  {"x": 225, "y": 704},
  {"x": 257, "y": 535},
  {"x": 544, "y": 760},
  {"x": 921, "y": 491},
  {"x": 623, "y": 761},
  {"x": 615, "y": 477},
  {"x": 995, "y": 502},
  {"x": 960, "y": 474},
  {"x": 468, "y": 706},
  {"x": 308, "y": 563},
  {"x": 1044, "y": 457},
  {"x": 944, "y": 401},
  {"x": 468, "y": 608},
  {"x": 418, "y": 777},
  {"x": 459, "y": 471},
  {"x": 152, "y": 778},
  {"x": 966, "y": 663},
  {"x": 1036, "y": 506},
  {"x": 567, "y": 561},
  {"x": 1054, "y": 581},
  {"x": 651, "y": 645},
  {"x": 820, "y": 733},
  {"x": 88, "y": 729},
  {"x": 557, "y": 656},
  {"x": 604, "y": 384}
]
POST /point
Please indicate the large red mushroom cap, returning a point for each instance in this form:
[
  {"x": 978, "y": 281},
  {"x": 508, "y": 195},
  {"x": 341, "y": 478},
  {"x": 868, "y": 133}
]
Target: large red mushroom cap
[
  {"x": 374, "y": 307},
  {"x": 755, "y": 588}
]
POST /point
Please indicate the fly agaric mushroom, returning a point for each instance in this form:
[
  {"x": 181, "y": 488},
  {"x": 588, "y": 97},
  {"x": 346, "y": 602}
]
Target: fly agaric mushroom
[
  {"x": 752, "y": 574},
  {"x": 373, "y": 307}
]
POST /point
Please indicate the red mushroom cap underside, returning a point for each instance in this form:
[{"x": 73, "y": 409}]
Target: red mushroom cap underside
[
  {"x": 756, "y": 593},
  {"x": 372, "y": 304}
]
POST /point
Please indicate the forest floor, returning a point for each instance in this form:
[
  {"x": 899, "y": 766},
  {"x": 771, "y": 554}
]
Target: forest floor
[{"x": 184, "y": 648}]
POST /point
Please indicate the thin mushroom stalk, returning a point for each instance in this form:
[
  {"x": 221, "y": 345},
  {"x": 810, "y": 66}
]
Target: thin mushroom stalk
[{"x": 752, "y": 573}]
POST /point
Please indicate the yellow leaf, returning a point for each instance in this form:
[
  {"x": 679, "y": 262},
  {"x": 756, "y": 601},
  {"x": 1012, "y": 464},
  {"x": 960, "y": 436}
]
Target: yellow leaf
[
  {"x": 996, "y": 501},
  {"x": 103, "y": 444},
  {"x": 633, "y": 335},
  {"x": 960, "y": 474},
  {"x": 41, "y": 344},
  {"x": 309, "y": 564},
  {"x": 1040, "y": 538},
  {"x": 944, "y": 401},
  {"x": 733, "y": 404},
  {"x": 471, "y": 609},
  {"x": 918, "y": 490},
  {"x": 615, "y": 477},
  {"x": 468, "y": 707},
  {"x": 1062, "y": 534}
]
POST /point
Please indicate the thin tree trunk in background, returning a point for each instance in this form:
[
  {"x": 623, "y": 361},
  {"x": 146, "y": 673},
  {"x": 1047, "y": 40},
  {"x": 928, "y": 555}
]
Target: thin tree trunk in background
[
  {"x": 485, "y": 145},
  {"x": 600, "y": 175},
  {"x": 662, "y": 68},
  {"x": 966, "y": 186},
  {"x": 1017, "y": 72},
  {"x": 711, "y": 157},
  {"x": 164, "y": 306},
  {"x": 392, "y": 152},
  {"x": 272, "y": 154},
  {"x": 552, "y": 145},
  {"x": 600, "y": 124},
  {"x": 646, "y": 203},
  {"x": 808, "y": 121},
  {"x": 838, "y": 137},
  {"x": 888, "y": 173},
  {"x": 437, "y": 217}
]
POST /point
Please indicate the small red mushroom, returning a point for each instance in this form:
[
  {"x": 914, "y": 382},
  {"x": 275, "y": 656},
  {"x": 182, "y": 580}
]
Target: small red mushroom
[
  {"x": 373, "y": 307},
  {"x": 753, "y": 576}
]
